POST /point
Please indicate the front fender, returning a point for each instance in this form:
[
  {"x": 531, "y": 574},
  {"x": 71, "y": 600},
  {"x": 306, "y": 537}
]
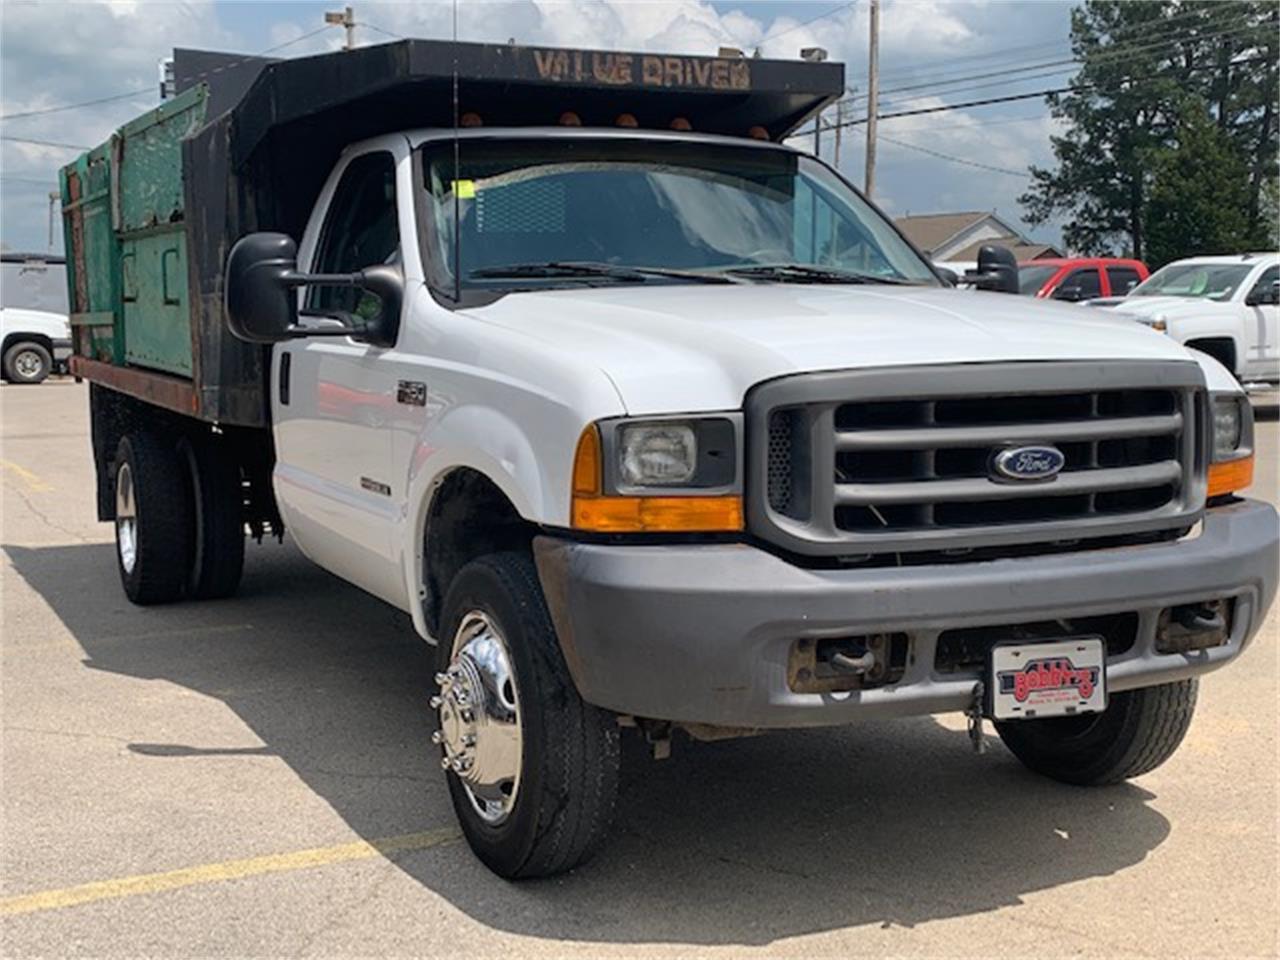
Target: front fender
[
  {"x": 475, "y": 438},
  {"x": 1189, "y": 329}
]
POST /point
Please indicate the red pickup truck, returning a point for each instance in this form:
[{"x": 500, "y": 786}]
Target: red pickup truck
[{"x": 1080, "y": 278}]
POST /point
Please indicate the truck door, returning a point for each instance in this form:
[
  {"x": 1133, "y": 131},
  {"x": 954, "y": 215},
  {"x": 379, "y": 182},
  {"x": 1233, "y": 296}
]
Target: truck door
[
  {"x": 1122, "y": 280},
  {"x": 1263, "y": 326},
  {"x": 332, "y": 397}
]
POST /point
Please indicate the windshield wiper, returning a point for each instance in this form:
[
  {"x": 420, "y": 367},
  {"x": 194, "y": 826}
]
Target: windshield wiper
[
  {"x": 556, "y": 269},
  {"x": 810, "y": 273}
]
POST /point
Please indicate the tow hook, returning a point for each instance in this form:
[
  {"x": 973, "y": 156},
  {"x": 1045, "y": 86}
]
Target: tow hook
[
  {"x": 977, "y": 736},
  {"x": 848, "y": 664}
]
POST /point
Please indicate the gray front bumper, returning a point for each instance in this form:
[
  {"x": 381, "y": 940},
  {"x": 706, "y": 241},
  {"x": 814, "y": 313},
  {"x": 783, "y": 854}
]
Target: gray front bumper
[
  {"x": 702, "y": 633},
  {"x": 62, "y": 350}
]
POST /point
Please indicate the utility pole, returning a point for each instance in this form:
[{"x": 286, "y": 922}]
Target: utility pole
[
  {"x": 55, "y": 198},
  {"x": 345, "y": 18},
  {"x": 839, "y": 131},
  {"x": 873, "y": 96}
]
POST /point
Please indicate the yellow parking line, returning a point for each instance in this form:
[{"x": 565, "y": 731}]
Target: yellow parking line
[
  {"x": 26, "y": 476},
  {"x": 227, "y": 870}
]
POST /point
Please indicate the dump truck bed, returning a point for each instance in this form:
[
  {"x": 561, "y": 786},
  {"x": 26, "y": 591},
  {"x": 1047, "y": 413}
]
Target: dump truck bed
[{"x": 151, "y": 215}]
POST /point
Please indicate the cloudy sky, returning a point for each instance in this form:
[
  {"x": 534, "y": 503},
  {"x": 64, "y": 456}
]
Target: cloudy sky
[{"x": 55, "y": 52}]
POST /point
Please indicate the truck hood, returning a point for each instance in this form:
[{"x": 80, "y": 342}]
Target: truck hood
[
  {"x": 681, "y": 348},
  {"x": 1167, "y": 307}
]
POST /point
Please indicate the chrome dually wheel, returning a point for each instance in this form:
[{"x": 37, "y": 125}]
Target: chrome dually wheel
[
  {"x": 480, "y": 724},
  {"x": 532, "y": 769},
  {"x": 126, "y": 519}
]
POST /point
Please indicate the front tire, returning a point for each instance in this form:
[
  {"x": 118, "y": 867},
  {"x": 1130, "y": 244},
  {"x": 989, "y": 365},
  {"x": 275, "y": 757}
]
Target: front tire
[
  {"x": 153, "y": 519},
  {"x": 532, "y": 769},
  {"x": 1139, "y": 730},
  {"x": 27, "y": 362}
]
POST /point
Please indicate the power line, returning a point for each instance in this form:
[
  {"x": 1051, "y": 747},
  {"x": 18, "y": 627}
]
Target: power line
[
  {"x": 76, "y": 106},
  {"x": 374, "y": 26},
  {"x": 134, "y": 93},
  {"x": 44, "y": 143},
  {"x": 1112, "y": 54},
  {"x": 822, "y": 16},
  {"x": 954, "y": 159},
  {"x": 944, "y": 156},
  {"x": 1120, "y": 38},
  {"x": 1035, "y": 94}
]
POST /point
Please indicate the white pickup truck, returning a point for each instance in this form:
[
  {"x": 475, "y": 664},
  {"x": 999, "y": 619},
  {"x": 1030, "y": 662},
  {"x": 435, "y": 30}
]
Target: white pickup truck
[
  {"x": 1227, "y": 307},
  {"x": 673, "y": 430},
  {"x": 33, "y": 344}
]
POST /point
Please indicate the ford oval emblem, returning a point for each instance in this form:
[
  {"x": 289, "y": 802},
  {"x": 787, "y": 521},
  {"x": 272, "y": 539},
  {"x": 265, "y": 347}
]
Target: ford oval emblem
[{"x": 1028, "y": 463}]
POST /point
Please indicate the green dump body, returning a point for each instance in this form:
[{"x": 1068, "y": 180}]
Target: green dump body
[{"x": 125, "y": 225}]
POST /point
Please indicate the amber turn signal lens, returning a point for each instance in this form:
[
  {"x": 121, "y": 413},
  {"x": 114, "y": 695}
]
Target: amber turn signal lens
[
  {"x": 658, "y": 514},
  {"x": 1230, "y": 476},
  {"x": 682, "y": 514},
  {"x": 586, "y": 464}
]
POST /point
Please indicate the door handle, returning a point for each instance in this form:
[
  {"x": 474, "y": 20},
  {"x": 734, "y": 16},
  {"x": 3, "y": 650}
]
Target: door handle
[{"x": 286, "y": 362}]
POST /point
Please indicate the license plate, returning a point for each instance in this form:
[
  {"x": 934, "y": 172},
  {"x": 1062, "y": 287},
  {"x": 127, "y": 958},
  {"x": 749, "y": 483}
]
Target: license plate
[{"x": 1053, "y": 679}]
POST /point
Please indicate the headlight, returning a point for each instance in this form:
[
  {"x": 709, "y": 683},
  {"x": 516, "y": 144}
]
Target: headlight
[
  {"x": 657, "y": 454},
  {"x": 1231, "y": 436},
  {"x": 659, "y": 474},
  {"x": 1228, "y": 425}
]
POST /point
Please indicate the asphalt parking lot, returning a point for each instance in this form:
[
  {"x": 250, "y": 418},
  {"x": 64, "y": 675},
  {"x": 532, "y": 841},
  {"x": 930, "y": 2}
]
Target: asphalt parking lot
[{"x": 253, "y": 777}]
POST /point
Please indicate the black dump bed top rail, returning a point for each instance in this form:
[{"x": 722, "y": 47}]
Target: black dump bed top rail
[{"x": 273, "y": 130}]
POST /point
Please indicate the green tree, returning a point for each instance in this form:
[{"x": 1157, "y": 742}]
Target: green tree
[
  {"x": 1155, "y": 77},
  {"x": 1187, "y": 212}
]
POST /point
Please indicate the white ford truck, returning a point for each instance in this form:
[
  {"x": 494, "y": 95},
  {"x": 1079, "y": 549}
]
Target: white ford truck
[
  {"x": 1227, "y": 307},
  {"x": 646, "y": 421}
]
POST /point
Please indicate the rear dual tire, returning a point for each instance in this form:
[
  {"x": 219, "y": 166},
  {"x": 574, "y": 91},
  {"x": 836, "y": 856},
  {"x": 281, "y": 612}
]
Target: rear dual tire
[{"x": 178, "y": 519}]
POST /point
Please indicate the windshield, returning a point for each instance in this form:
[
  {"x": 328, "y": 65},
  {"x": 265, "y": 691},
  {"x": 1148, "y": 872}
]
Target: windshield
[
  {"x": 569, "y": 212},
  {"x": 1031, "y": 279},
  {"x": 1212, "y": 281}
]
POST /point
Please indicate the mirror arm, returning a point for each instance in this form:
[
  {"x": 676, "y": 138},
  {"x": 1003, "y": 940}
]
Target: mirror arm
[{"x": 294, "y": 279}]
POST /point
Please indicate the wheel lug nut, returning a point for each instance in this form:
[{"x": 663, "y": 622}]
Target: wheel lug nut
[
  {"x": 435, "y": 702},
  {"x": 469, "y": 740},
  {"x": 444, "y": 763},
  {"x": 468, "y": 716},
  {"x": 437, "y": 737},
  {"x": 441, "y": 679},
  {"x": 457, "y": 766}
]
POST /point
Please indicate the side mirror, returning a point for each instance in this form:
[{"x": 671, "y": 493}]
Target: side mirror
[
  {"x": 997, "y": 270},
  {"x": 1068, "y": 293},
  {"x": 258, "y": 289},
  {"x": 261, "y": 304},
  {"x": 948, "y": 275}
]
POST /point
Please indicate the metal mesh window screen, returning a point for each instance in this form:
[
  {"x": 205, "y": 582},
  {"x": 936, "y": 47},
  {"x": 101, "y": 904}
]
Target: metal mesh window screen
[{"x": 531, "y": 206}]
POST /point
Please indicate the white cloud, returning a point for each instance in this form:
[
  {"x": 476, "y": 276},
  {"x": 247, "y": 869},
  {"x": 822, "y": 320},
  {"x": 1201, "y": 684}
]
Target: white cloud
[{"x": 71, "y": 52}]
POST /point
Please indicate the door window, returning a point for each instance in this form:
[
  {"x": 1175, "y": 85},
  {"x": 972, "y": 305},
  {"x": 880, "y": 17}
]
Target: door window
[
  {"x": 360, "y": 231},
  {"x": 1264, "y": 290},
  {"x": 1079, "y": 285},
  {"x": 1122, "y": 280}
]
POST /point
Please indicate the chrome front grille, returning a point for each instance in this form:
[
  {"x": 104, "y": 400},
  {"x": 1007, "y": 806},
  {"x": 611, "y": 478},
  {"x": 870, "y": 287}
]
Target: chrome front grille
[{"x": 893, "y": 461}]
